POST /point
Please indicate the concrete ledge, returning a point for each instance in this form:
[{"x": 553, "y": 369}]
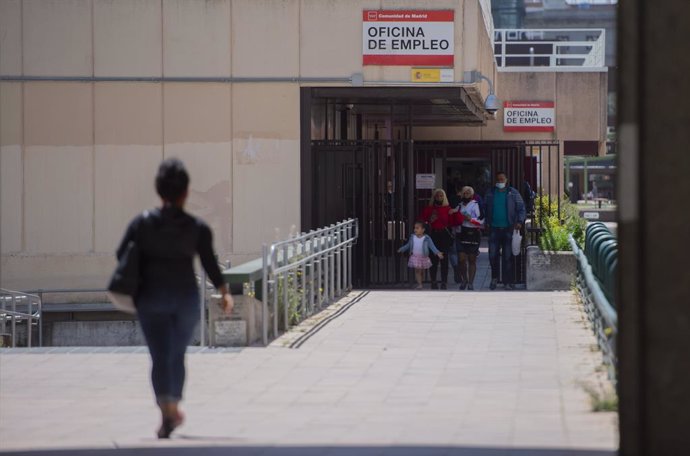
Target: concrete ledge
[
  {"x": 95, "y": 333},
  {"x": 229, "y": 330},
  {"x": 548, "y": 271}
]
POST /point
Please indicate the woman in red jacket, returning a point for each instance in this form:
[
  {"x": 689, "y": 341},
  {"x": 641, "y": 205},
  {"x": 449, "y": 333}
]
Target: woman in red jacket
[{"x": 439, "y": 215}]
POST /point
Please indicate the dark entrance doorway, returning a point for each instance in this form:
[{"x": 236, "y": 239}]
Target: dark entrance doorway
[
  {"x": 358, "y": 159},
  {"x": 385, "y": 185}
]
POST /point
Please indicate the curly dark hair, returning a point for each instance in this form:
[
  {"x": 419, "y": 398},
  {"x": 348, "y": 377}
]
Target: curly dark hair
[{"x": 172, "y": 180}]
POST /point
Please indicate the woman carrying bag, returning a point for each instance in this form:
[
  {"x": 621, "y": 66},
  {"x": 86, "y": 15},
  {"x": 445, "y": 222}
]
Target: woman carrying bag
[
  {"x": 166, "y": 241},
  {"x": 439, "y": 215},
  {"x": 469, "y": 238}
]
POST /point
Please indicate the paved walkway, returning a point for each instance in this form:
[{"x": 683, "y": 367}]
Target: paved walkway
[{"x": 399, "y": 373}]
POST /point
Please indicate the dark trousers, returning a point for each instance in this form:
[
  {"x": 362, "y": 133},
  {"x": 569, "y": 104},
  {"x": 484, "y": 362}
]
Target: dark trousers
[
  {"x": 443, "y": 243},
  {"x": 168, "y": 329},
  {"x": 500, "y": 246}
]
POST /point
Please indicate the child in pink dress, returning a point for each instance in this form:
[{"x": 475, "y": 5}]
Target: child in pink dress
[{"x": 419, "y": 245}]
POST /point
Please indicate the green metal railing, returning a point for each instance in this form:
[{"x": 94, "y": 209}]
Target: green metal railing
[
  {"x": 601, "y": 250},
  {"x": 596, "y": 278}
]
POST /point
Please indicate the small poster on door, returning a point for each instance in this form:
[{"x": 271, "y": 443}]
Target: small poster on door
[{"x": 425, "y": 181}]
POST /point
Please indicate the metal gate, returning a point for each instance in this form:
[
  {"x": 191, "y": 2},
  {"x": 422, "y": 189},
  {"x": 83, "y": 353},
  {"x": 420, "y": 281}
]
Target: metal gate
[{"x": 375, "y": 182}]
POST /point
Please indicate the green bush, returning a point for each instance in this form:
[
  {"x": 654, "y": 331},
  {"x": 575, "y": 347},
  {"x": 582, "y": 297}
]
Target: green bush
[{"x": 556, "y": 229}]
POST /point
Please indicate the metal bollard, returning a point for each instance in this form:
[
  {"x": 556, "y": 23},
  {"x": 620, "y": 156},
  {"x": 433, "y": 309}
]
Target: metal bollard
[
  {"x": 331, "y": 259},
  {"x": 319, "y": 271},
  {"x": 339, "y": 261},
  {"x": 29, "y": 322},
  {"x": 202, "y": 309},
  {"x": 264, "y": 297}
]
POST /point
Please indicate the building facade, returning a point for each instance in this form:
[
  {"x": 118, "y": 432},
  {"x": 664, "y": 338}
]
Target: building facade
[{"x": 95, "y": 93}]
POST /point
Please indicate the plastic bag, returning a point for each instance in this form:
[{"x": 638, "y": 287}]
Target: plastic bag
[{"x": 517, "y": 242}]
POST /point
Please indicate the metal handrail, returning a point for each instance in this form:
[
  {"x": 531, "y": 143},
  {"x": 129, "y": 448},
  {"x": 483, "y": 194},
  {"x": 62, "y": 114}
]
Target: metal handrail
[
  {"x": 559, "y": 57},
  {"x": 601, "y": 313},
  {"x": 316, "y": 267},
  {"x": 15, "y": 299}
]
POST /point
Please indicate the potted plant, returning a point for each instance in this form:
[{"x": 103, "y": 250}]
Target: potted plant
[{"x": 551, "y": 264}]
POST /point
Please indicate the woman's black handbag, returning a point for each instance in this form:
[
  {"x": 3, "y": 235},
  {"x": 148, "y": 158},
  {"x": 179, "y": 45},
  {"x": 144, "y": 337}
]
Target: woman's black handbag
[{"x": 125, "y": 281}]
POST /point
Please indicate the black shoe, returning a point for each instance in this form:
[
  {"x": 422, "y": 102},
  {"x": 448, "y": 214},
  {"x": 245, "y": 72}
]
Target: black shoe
[
  {"x": 434, "y": 286},
  {"x": 470, "y": 286},
  {"x": 444, "y": 286},
  {"x": 492, "y": 286},
  {"x": 463, "y": 286}
]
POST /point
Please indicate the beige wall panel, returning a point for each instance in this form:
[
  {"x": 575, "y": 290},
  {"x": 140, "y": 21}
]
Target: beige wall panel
[
  {"x": 196, "y": 37},
  {"x": 265, "y": 38},
  {"x": 58, "y": 113},
  {"x": 266, "y": 162},
  {"x": 265, "y": 111},
  {"x": 127, "y": 38},
  {"x": 471, "y": 36},
  {"x": 604, "y": 110},
  {"x": 10, "y": 113},
  {"x": 198, "y": 131},
  {"x": 57, "y": 38},
  {"x": 59, "y": 199},
  {"x": 11, "y": 167},
  {"x": 266, "y": 192},
  {"x": 129, "y": 137},
  {"x": 30, "y": 272},
  {"x": 197, "y": 112},
  {"x": 128, "y": 113},
  {"x": 387, "y": 73},
  {"x": 579, "y": 106},
  {"x": 124, "y": 187},
  {"x": 10, "y": 37},
  {"x": 11, "y": 194},
  {"x": 331, "y": 37},
  {"x": 486, "y": 60},
  {"x": 210, "y": 170}
]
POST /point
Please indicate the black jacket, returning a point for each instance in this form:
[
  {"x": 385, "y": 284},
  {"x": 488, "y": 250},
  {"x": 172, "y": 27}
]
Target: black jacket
[{"x": 168, "y": 240}]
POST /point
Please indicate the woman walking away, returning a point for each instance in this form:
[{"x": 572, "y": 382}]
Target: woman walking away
[
  {"x": 419, "y": 245},
  {"x": 167, "y": 299},
  {"x": 469, "y": 238},
  {"x": 438, "y": 214}
]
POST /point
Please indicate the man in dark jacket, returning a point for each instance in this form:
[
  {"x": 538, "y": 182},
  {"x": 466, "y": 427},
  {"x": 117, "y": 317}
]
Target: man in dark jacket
[{"x": 505, "y": 212}]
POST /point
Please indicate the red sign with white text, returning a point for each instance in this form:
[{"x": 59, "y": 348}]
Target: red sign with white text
[
  {"x": 529, "y": 116},
  {"x": 408, "y": 37}
]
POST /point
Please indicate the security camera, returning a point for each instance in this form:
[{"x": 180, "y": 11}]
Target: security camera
[{"x": 492, "y": 104}]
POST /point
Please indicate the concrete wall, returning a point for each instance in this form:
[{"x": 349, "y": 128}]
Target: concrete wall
[
  {"x": 580, "y": 99},
  {"x": 77, "y": 159}
]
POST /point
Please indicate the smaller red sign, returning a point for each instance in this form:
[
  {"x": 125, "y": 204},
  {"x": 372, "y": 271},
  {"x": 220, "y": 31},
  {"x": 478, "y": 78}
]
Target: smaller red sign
[
  {"x": 408, "y": 16},
  {"x": 530, "y": 116}
]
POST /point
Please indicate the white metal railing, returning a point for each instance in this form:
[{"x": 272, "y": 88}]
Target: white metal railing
[
  {"x": 305, "y": 273},
  {"x": 550, "y": 49},
  {"x": 16, "y": 308}
]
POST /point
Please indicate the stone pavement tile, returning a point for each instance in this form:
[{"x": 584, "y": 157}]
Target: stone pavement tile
[{"x": 468, "y": 370}]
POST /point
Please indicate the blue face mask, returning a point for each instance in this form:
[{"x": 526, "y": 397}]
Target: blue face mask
[{"x": 500, "y": 185}]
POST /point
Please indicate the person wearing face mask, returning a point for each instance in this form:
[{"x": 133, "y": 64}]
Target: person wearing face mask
[
  {"x": 468, "y": 238},
  {"x": 505, "y": 212},
  {"x": 439, "y": 215}
]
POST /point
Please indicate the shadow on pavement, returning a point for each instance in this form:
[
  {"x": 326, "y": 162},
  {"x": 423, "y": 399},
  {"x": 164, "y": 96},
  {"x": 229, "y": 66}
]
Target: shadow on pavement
[{"x": 166, "y": 450}]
